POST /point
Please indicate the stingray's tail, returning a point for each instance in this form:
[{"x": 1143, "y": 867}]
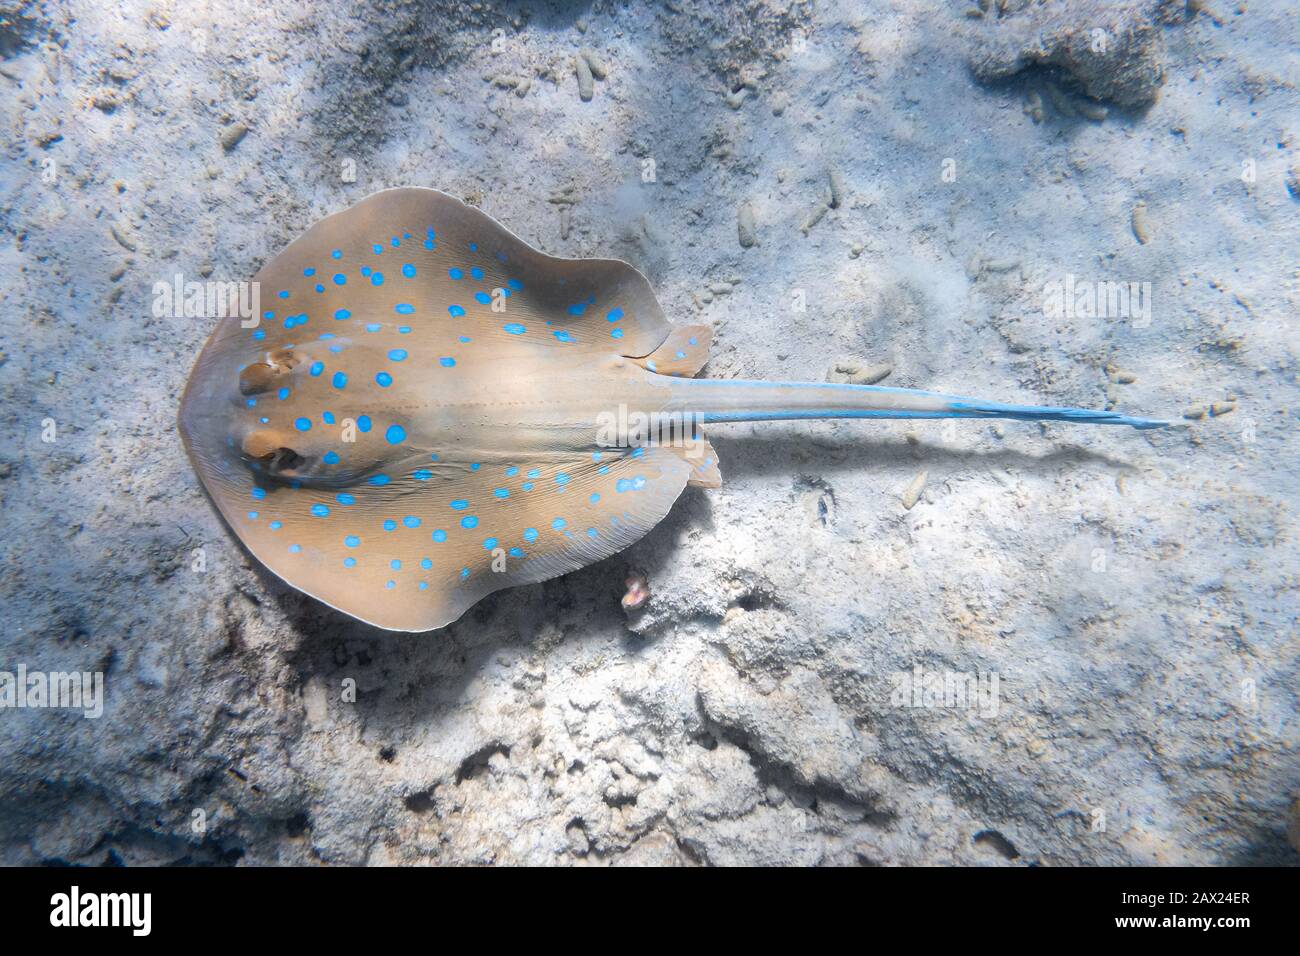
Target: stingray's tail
[{"x": 730, "y": 400}]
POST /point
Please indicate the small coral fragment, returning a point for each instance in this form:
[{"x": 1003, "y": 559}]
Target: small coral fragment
[
  {"x": 638, "y": 593},
  {"x": 586, "y": 85},
  {"x": 912, "y": 493},
  {"x": 745, "y": 226},
  {"x": 1141, "y": 223}
]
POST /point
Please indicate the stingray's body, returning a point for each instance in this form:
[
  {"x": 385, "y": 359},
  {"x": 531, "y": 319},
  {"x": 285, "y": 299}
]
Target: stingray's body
[{"x": 423, "y": 413}]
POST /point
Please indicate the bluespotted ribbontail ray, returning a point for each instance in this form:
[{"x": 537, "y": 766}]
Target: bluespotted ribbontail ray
[{"x": 423, "y": 414}]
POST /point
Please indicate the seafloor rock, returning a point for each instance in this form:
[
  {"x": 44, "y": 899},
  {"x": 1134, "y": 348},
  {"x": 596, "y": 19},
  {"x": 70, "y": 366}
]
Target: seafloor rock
[{"x": 1114, "y": 51}]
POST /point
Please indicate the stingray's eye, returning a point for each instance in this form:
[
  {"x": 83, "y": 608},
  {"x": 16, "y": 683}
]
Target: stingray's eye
[
  {"x": 257, "y": 378},
  {"x": 284, "y": 460},
  {"x": 266, "y": 452},
  {"x": 304, "y": 459},
  {"x": 263, "y": 376},
  {"x": 261, "y": 443}
]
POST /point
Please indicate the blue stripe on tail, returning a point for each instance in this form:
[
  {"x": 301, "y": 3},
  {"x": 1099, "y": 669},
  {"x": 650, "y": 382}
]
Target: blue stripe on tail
[
  {"x": 974, "y": 408},
  {"x": 725, "y": 400}
]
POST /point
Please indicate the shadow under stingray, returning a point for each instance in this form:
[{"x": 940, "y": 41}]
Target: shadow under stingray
[
  {"x": 745, "y": 455},
  {"x": 495, "y": 621},
  {"x": 412, "y": 680}
]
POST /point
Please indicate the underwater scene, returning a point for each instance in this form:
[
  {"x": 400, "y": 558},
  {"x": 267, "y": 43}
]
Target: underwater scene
[{"x": 686, "y": 433}]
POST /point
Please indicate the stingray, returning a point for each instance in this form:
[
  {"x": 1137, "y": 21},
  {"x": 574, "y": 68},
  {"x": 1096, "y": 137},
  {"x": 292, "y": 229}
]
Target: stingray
[{"x": 428, "y": 410}]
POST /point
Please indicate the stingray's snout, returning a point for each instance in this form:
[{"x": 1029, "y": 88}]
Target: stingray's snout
[{"x": 272, "y": 452}]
